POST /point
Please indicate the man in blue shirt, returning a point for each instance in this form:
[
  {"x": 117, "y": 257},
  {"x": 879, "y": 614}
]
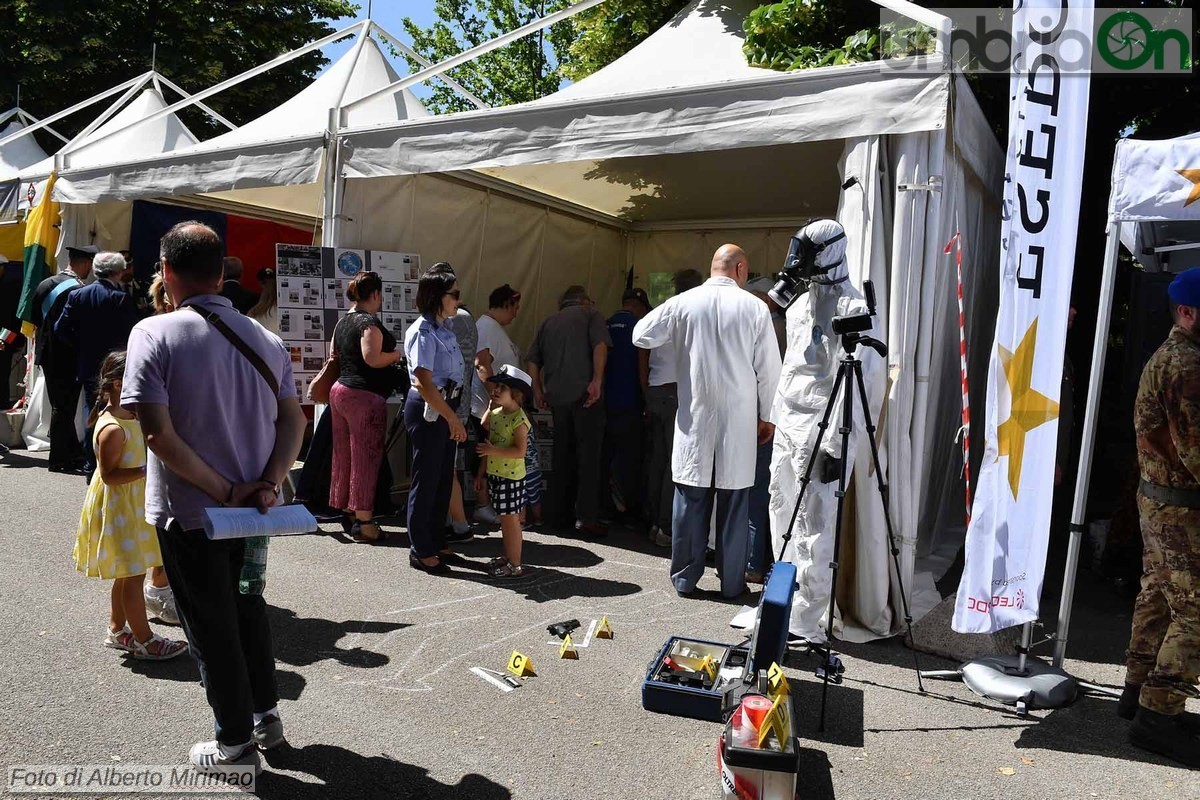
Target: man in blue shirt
[{"x": 625, "y": 428}]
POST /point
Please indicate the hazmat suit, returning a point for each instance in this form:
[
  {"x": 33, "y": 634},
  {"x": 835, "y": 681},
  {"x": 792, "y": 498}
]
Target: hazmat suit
[{"x": 809, "y": 370}]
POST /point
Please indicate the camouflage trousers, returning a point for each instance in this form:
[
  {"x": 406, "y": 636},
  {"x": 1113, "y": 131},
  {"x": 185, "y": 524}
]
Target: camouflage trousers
[{"x": 1164, "y": 646}]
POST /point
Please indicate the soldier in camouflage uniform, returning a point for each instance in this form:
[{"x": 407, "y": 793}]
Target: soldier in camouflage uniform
[{"x": 1163, "y": 660}]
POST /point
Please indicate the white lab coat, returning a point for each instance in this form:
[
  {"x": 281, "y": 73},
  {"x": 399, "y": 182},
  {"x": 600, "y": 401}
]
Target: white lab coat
[
  {"x": 727, "y": 368},
  {"x": 809, "y": 371}
]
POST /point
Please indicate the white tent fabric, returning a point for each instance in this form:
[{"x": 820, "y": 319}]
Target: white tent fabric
[
  {"x": 15, "y": 156},
  {"x": 283, "y": 147},
  {"x": 129, "y": 139}
]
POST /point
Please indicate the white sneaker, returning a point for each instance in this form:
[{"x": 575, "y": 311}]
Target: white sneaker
[
  {"x": 486, "y": 515},
  {"x": 207, "y": 757},
  {"x": 662, "y": 539},
  {"x": 160, "y": 604}
]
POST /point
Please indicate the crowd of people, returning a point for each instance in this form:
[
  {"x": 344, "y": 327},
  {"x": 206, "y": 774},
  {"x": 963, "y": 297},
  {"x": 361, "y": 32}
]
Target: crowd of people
[
  {"x": 660, "y": 418},
  {"x": 663, "y": 418}
]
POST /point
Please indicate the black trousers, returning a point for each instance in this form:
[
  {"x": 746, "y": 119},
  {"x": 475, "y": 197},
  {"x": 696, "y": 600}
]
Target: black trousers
[
  {"x": 63, "y": 391},
  {"x": 578, "y": 464},
  {"x": 432, "y": 478},
  {"x": 228, "y": 631},
  {"x": 625, "y": 455}
]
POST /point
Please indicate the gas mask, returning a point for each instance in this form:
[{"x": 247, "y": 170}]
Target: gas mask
[{"x": 804, "y": 264}]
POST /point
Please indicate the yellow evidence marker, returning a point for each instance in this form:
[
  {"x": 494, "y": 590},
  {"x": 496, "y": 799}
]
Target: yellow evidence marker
[
  {"x": 709, "y": 668},
  {"x": 604, "y": 629},
  {"x": 520, "y": 665},
  {"x": 567, "y": 650},
  {"x": 777, "y": 721},
  {"x": 777, "y": 682}
]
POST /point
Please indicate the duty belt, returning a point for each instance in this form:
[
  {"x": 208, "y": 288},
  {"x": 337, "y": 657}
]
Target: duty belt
[{"x": 1169, "y": 495}]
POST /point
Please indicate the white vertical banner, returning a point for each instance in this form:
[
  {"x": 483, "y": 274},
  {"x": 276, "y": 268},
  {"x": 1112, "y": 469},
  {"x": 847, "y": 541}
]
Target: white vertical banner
[{"x": 1010, "y": 522}]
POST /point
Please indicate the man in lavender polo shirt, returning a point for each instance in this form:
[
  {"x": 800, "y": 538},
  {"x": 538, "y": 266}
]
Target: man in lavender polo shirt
[{"x": 218, "y": 435}]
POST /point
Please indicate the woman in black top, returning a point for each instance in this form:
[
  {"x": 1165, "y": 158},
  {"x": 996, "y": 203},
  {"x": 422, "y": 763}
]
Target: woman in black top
[{"x": 367, "y": 356}]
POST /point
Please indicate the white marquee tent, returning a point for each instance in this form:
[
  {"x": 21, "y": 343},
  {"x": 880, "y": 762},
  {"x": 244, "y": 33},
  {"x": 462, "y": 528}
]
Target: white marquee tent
[
  {"x": 1154, "y": 210},
  {"x": 270, "y": 166},
  {"x": 653, "y": 162},
  {"x": 679, "y": 146}
]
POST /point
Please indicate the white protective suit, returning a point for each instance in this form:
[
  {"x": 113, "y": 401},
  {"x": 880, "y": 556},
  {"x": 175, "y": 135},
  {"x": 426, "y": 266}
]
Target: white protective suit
[{"x": 810, "y": 367}]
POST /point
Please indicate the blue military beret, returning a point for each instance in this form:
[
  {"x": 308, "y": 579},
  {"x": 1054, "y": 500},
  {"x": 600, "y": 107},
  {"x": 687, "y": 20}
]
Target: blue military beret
[{"x": 1185, "y": 289}]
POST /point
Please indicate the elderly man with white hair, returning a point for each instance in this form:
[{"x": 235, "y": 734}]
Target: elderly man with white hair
[
  {"x": 96, "y": 321},
  {"x": 810, "y": 367},
  {"x": 727, "y": 366}
]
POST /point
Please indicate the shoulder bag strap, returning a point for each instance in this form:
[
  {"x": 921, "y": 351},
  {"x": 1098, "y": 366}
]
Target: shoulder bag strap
[{"x": 246, "y": 350}]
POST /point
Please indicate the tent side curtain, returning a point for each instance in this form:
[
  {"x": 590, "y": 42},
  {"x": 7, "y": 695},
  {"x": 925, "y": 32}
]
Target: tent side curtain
[
  {"x": 279, "y": 163},
  {"x": 826, "y": 104},
  {"x": 896, "y": 238}
]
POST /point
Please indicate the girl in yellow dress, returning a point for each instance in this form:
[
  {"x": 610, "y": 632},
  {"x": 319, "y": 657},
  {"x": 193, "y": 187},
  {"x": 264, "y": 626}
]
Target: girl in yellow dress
[{"x": 114, "y": 541}]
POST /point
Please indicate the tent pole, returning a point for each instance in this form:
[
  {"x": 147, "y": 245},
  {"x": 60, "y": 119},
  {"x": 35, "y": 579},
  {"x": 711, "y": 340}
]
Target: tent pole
[
  {"x": 1095, "y": 379},
  {"x": 425, "y": 62},
  {"x": 108, "y": 113},
  {"x": 45, "y": 123},
  {"x": 167, "y": 82},
  {"x": 204, "y": 94},
  {"x": 478, "y": 50}
]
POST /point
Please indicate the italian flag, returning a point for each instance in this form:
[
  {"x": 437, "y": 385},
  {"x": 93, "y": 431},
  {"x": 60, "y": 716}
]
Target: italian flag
[{"x": 41, "y": 240}]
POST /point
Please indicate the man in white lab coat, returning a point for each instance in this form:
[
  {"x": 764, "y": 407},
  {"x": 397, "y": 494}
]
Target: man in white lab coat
[{"x": 727, "y": 368}]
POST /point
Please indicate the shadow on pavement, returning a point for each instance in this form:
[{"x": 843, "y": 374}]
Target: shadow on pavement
[
  {"x": 1089, "y": 726},
  {"x": 344, "y": 774},
  {"x": 843, "y": 714},
  {"x": 10, "y": 459},
  {"x": 302, "y": 641},
  {"x": 182, "y": 668},
  {"x": 816, "y": 775},
  {"x": 544, "y": 584}
]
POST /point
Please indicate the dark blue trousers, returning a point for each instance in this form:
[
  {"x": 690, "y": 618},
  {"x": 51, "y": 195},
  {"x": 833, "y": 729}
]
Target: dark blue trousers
[{"x": 432, "y": 478}]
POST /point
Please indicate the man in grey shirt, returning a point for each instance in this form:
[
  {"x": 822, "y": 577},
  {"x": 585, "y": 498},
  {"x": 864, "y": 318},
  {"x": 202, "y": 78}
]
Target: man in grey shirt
[
  {"x": 567, "y": 363},
  {"x": 223, "y": 427}
]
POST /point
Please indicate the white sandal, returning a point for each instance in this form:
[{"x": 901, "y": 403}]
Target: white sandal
[
  {"x": 120, "y": 640},
  {"x": 164, "y": 648}
]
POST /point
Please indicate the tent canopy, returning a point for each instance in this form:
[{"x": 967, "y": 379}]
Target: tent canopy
[
  {"x": 283, "y": 147},
  {"x": 15, "y": 155},
  {"x": 1156, "y": 194}
]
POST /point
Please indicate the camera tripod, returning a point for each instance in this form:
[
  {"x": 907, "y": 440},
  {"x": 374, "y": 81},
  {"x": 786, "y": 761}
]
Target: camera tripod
[{"x": 849, "y": 375}]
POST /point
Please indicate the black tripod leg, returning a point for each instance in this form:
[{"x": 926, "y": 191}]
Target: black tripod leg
[
  {"x": 822, "y": 426},
  {"x": 847, "y": 424},
  {"x": 887, "y": 517}
]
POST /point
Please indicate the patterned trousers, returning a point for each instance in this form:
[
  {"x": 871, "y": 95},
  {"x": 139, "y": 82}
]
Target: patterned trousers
[{"x": 1164, "y": 646}]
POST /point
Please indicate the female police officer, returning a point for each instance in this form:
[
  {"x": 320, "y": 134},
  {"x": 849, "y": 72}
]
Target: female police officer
[{"x": 435, "y": 366}]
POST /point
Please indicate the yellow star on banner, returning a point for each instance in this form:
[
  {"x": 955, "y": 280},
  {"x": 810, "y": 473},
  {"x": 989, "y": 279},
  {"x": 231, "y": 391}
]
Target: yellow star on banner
[
  {"x": 1028, "y": 408},
  {"x": 1192, "y": 175}
]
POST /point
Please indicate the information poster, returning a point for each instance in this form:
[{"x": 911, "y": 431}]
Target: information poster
[
  {"x": 299, "y": 291},
  {"x": 311, "y": 283},
  {"x": 399, "y": 267}
]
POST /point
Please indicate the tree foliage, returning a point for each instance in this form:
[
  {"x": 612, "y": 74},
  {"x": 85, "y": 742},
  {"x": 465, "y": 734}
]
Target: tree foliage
[
  {"x": 61, "y": 52},
  {"x": 518, "y": 72},
  {"x": 610, "y": 30}
]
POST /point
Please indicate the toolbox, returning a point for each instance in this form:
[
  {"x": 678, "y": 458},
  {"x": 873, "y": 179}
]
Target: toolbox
[{"x": 701, "y": 679}]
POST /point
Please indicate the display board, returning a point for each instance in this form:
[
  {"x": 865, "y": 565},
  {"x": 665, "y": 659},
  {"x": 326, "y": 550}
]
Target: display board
[{"x": 311, "y": 284}]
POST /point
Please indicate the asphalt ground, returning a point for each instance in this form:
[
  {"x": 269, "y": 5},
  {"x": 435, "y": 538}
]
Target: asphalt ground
[{"x": 374, "y": 664}]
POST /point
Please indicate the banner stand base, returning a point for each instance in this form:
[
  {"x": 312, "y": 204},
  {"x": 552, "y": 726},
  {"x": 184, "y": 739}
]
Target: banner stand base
[{"x": 1001, "y": 678}]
